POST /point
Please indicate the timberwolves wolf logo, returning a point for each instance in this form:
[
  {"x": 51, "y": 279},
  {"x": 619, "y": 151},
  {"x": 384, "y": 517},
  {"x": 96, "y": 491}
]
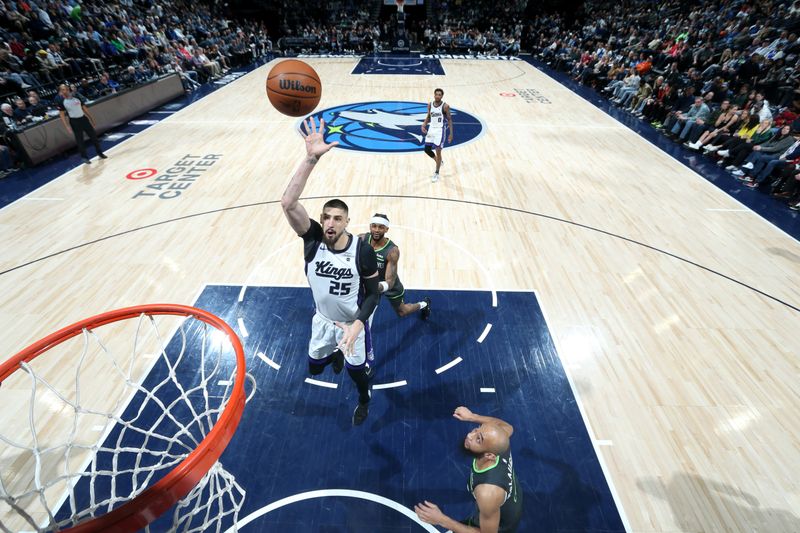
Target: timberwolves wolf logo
[{"x": 389, "y": 126}]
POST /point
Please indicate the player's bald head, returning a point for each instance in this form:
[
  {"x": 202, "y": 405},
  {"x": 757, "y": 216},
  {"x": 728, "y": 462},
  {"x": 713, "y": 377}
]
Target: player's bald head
[
  {"x": 487, "y": 438},
  {"x": 496, "y": 439}
]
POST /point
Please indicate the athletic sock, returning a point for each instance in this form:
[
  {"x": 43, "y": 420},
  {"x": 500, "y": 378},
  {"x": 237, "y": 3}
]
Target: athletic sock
[{"x": 360, "y": 378}]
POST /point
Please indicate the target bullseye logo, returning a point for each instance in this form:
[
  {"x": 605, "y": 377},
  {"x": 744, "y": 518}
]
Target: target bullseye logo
[{"x": 141, "y": 174}]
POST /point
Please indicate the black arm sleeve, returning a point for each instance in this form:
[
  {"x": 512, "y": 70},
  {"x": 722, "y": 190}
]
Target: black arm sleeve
[
  {"x": 373, "y": 296},
  {"x": 311, "y": 240},
  {"x": 368, "y": 266},
  {"x": 367, "y": 260}
]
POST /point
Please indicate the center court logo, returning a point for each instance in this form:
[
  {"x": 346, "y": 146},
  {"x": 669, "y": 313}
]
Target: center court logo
[{"x": 389, "y": 126}]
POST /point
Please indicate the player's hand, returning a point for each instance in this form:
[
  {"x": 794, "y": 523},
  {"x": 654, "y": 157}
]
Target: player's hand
[
  {"x": 351, "y": 333},
  {"x": 424, "y": 129},
  {"x": 463, "y": 414},
  {"x": 315, "y": 142},
  {"x": 429, "y": 513},
  {"x": 450, "y": 138}
]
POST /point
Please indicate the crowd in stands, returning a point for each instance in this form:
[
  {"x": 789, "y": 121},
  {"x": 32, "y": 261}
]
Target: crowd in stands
[
  {"x": 720, "y": 77},
  {"x": 330, "y": 27},
  {"x": 479, "y": 27},
  {"x": 102, "y": 47}
]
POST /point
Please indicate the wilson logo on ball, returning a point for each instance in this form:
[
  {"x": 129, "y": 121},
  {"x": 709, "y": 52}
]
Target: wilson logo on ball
[{"x": 294, "y": 85}]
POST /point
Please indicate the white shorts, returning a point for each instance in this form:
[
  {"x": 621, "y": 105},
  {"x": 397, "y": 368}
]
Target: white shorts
[
  {"x": 435, "y": 136},
  {"x": 325, "y": 338}
]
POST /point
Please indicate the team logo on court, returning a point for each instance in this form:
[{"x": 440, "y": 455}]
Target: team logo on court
[{"x": 389, "y": 126}]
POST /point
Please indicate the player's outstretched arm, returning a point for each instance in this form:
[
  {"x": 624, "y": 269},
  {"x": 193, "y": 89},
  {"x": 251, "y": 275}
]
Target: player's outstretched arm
[
  {"x": 465, "y": 415},
  {"x": 316, "y": 147}
]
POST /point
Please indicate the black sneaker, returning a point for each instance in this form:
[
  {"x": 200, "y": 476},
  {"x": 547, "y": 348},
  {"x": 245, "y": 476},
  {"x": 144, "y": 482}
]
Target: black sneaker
[
  {"x": 86, "y": 161},
  {"x": 361, "y": 412},
  {"x": 426, "y": 311},
  {"x": 102, "y": 156},
  {"x": 337, "y": 361}
]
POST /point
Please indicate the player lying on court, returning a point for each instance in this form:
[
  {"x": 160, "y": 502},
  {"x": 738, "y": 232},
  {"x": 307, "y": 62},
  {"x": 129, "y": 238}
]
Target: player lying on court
[
  {"x": 492, "y": 480},
  {"x": 338, "y": 266}
]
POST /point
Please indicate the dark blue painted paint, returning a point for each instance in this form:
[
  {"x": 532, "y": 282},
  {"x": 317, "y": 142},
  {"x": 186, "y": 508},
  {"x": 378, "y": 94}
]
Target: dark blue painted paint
[
  {"x": 415, "y": 66},
  {"x": 295, "y": 437},
  {"x": 770, "y": 208}
]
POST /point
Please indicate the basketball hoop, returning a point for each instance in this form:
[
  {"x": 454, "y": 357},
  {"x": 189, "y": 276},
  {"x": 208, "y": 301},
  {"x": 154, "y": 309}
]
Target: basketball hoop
[
  {"x": 400, "y": 4},
  {"x": 163, "y": 439}
]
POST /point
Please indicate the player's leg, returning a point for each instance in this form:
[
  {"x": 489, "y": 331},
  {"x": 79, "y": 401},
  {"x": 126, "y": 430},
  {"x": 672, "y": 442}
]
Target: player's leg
[
  {"x": 360, "y": 373},
  {"x": 429, "y": 151},
  {"x": 403, "y": 309},
  {"x": 438, "y": 158},
  {"x": 322, "y": 347},
  {"x": 370, "y": 347}
]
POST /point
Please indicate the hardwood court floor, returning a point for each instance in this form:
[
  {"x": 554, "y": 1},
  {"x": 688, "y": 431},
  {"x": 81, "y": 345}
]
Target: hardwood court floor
[{"x": 688, "y": 377}]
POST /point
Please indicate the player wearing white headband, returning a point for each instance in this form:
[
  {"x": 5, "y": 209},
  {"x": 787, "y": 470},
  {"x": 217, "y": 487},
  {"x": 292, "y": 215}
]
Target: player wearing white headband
[{"x": 388, "y": 254}]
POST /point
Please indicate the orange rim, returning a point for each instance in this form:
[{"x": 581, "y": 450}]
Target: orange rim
[{"x": 155, "y": 500}]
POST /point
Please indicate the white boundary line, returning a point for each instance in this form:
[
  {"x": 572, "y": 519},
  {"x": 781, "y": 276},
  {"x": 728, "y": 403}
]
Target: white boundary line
[
  {"x": 449, "y": 365},
  {"x": 325, "y": 384},
  {"x": 269, "y": 361},
  {"x": 589, "y": 430},
  {"x": 488, "y": 390},
  {"x": 392, "y": 385},
  {"x": 326, "y": 493},
  {"x": 43, "y": 199},
  {"x": 486, "y": 331},
  {"x": 242, "y": 329}
]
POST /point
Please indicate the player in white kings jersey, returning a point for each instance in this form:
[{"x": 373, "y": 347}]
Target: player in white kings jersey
[
  {"x": 434, "y": 128},
  {"x": 343, "y": 275}
]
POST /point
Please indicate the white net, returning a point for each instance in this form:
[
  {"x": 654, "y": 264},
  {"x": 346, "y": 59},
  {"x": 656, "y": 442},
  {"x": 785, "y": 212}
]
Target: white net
[{"x": 93, "y": 422}]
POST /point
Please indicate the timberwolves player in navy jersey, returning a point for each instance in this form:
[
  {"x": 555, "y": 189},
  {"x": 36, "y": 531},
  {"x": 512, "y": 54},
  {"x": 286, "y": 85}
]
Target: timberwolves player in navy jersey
[
  {"x": 343, "y": 275},
  {"x": 388, "y": 255},
  {"x": 492, "y": 480},
  {"x": 434, "y": 128}
]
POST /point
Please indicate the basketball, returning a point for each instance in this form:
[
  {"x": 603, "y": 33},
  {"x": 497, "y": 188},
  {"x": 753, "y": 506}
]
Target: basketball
[{"x": 293, "y": 88}]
